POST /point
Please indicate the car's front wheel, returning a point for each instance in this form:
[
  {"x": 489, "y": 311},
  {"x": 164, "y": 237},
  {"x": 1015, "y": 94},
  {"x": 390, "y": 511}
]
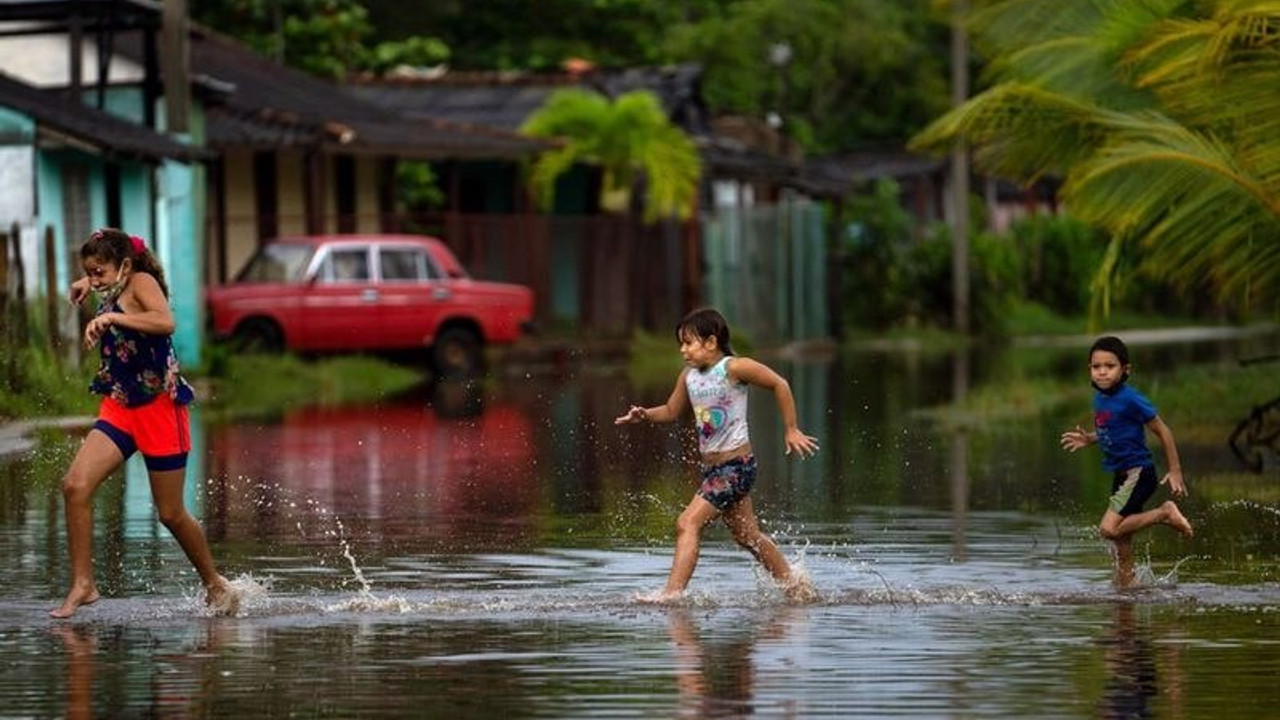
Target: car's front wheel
[
  {"x": 258, "y": 336},
  {"x": 457, "y": 353}
]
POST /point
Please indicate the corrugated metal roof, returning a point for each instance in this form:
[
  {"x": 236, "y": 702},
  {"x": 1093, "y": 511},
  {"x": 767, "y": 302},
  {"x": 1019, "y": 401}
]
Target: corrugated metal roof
[
  {"x": 506, "y": 99},
  {"x": 111, "y": 135},
  {"x": 270, "y": 104},
  {"x": 844, "y": 172}
]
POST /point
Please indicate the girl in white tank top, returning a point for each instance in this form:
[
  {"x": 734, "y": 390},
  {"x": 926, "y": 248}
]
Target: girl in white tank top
[
  {"x": 719, "y": 408},
  {"x": 714, "y": 387}
]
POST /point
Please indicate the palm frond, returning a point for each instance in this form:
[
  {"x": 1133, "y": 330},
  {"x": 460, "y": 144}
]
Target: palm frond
[
  {"x": 624, "y": 137},
  {"x": 1019, "y": 130}
]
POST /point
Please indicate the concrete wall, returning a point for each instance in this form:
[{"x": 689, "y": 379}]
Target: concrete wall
[{"x": 45, "y": 61}]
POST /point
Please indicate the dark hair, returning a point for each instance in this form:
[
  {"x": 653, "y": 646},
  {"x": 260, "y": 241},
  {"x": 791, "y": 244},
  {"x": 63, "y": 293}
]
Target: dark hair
[
  {"x": 115, "y": 246},
  {"x": 706, "y": 323},
  {"x": 1113, "y": 345}
]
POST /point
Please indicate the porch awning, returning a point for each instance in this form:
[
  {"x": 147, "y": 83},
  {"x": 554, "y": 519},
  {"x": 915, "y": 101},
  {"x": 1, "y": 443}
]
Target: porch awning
[{"x": 59, "y": 116}]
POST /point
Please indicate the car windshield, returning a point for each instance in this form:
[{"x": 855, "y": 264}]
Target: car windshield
[{"x": 278, "y": 262}]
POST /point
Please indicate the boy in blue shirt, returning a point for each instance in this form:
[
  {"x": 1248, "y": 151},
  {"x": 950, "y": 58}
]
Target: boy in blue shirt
[{"x": 1121, "y": 415}]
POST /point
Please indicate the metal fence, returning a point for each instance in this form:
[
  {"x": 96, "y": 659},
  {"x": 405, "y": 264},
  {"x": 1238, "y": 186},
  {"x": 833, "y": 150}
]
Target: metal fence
[{"x": 766, "y": 269}]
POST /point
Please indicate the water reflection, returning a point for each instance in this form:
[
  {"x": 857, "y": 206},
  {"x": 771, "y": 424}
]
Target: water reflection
[
  {"x": 718, "y": 677},
  {"x": 179, "y": 670},
  {"x": 416, "y": 469},
  {"x": 80, "y": 643},
  {"x": 959, "y": 457},
  {"x": 1134, "y": 679}
]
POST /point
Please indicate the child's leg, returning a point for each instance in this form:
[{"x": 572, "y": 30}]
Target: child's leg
[
  {"x": 96, "y": 459},
  {"x": 1124, "y": 562},
  {"x": 689, "y": 526},
  {"x": 166, "y": 491},
  {"x": 741, "y": 520},
  {"x": 1115, "y": 525}
]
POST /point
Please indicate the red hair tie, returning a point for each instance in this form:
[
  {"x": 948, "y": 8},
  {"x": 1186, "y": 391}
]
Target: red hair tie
[{"x": 139, "y": 245}]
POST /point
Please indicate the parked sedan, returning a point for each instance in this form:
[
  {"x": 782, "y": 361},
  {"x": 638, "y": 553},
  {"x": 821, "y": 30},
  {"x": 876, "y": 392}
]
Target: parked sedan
[{"x": 344, "y": 293}]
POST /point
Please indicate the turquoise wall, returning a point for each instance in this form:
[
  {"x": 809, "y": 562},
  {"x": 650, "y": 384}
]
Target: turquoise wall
[
  {"x": 181, "y": 255},
  {"x": 173, "y": 194},
  {"x": 16, "y": 128}
]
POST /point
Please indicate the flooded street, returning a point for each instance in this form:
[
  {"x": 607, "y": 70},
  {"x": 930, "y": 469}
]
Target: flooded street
[{"x": 472, "y": 551}]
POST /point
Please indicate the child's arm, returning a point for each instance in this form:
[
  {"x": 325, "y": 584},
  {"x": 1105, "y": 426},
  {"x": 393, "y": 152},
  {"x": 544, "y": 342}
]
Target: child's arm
[
  {"x": 1076, "y": 438},
  {"x": 754, "y": 373},
  {"x": 153, "y": 317},
  {"x": 79, "y": 291},
  {"x": 675, "y": 406},
  {"x": 1174, "y": 474}
]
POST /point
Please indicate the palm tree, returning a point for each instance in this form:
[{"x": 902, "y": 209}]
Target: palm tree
[
  {"x": 1163, "y": 117},
  {"x": 629, "y": 138}
]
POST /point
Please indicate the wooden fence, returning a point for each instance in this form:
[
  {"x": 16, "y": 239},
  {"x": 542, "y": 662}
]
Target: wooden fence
[{"x": 605, "y": 275}]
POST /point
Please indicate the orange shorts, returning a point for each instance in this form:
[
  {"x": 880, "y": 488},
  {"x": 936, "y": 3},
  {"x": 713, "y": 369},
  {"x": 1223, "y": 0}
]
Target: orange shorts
[{"x": 159, "y": 430}]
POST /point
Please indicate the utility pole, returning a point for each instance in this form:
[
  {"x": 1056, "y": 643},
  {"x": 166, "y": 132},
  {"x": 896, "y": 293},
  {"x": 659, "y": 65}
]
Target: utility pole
[{"x": 959, "y": 173}]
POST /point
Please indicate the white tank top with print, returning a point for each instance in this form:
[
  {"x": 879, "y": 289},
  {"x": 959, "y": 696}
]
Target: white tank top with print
[{"x": 719, "y": 407}]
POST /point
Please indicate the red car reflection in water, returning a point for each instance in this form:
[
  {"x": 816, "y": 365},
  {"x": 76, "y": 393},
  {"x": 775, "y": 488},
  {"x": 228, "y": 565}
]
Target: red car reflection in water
[{"x": 450, "y": 470}]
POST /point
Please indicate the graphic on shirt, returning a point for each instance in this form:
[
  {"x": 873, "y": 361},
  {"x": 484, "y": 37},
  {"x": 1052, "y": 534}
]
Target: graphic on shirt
[{"x": 710, "y": 419}]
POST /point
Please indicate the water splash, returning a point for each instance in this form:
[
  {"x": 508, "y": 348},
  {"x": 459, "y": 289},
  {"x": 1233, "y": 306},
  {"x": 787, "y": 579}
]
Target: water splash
[
  {"x": 246, "y": 595},
  {"x": 1250, "y": 505}
]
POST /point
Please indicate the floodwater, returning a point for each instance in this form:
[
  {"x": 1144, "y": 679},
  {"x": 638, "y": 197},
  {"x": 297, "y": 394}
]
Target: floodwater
[{"x": 471, "y": 551}]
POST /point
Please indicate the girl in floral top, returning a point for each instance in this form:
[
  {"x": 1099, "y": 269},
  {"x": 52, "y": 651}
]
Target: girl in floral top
[{"x": 143, "y": 408}]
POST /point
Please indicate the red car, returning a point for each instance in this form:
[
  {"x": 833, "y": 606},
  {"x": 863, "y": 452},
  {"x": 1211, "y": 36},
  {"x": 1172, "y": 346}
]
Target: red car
[{"x": 367, "y": 292}]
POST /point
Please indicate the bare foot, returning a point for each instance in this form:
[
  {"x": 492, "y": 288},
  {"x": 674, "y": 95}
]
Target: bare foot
[
  {"x": 799, "y": 589},
  {"x": 221, "y": 598},
  {"x": 1177, "y": 519},
  {"x": 77, "y": 597},
  {"x": 659, "y": 597}
]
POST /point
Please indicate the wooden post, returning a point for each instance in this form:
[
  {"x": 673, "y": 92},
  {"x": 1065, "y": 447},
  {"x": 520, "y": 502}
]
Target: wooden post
[
  {"x": 8, "y": 340},
  {"x": 51, "y": 293},
  {"x": 4, "y": 286},
  {"x": 20, "y": 297},
  {"x": 174, "y": 66}
]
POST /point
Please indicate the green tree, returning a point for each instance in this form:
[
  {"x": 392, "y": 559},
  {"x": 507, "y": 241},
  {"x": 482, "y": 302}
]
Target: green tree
[
  {"x": 324, "y": 37},
  {"x": 630, "y": 139},
  {"x": 523, "y": 35},
  {"x": 850, "y": 72},
  {"x": 1163, "y": 117}
]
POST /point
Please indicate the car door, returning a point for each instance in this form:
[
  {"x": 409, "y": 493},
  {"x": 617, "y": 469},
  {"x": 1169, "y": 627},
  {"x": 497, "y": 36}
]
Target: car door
[
  {"x": 341, "y": 303},
  {"x": 411, "y": 295}
]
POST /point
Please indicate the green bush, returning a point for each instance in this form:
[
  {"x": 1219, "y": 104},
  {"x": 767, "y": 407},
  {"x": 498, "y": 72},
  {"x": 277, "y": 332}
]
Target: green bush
[
  {"x": 38, "y": 384},
  {"x": 266, "y": 385},
  {"x": 1038, "y": 277},
  {"x": 1059, "y": 258}
]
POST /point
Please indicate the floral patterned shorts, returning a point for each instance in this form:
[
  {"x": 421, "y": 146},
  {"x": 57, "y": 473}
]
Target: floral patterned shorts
[{"x": 725, "y": 484}]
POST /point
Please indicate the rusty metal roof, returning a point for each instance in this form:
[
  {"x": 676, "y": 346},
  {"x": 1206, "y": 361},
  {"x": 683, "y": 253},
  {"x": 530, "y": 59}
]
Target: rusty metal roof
[{"x": 505, "y": 99}]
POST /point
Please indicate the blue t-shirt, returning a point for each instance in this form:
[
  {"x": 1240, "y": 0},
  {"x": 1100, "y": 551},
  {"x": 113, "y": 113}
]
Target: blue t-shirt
[{"x": 1120, "y": 419}]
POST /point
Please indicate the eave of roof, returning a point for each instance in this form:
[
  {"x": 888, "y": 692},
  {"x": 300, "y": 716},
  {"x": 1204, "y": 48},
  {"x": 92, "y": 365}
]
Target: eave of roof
[
  {"x": 109, "y": 134},
  {"x": 263, "y": 94}
]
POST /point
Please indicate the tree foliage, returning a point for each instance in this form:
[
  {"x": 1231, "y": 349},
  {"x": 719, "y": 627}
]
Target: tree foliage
[
  {"x": 630, "y": 139},
  {"x": 1162, "y": 115},
  {"x": 326, "y": 37},
  {"x": 523, "y": 35},
  {"x": 860, "y": 72}
]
